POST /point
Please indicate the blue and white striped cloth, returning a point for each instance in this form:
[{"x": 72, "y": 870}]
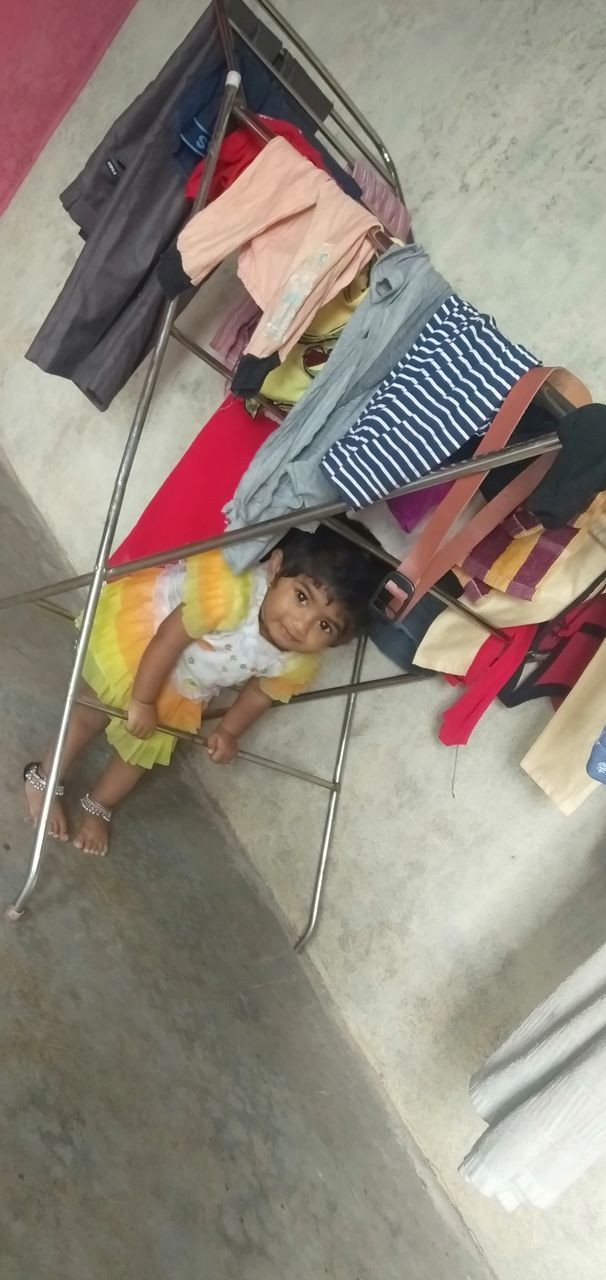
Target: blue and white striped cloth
[{"x": 443, "y": 392}]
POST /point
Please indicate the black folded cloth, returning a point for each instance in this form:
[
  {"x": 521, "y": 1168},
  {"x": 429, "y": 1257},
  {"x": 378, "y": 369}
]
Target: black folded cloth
[{"x": 579, "y": 471}]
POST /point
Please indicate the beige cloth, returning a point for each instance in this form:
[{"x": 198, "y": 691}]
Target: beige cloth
[
  {"x": 453, "y": 641},
  {"x": 557, "y": 760},
  {"x": 301, "y": 239}
]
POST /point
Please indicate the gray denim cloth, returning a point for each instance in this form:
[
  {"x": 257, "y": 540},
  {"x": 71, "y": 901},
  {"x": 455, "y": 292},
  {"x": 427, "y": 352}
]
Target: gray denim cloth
[
  {"x": 129, "y": 202},
  {"x": 285, "y": 474}
]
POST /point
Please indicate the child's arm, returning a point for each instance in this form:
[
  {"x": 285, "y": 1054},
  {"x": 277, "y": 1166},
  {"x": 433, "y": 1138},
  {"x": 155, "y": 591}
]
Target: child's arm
[
  {"x": 155, "y": 667},
  {"x": 250, "y": 704}
]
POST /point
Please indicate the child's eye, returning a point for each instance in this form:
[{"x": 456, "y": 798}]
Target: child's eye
[
  {"x": 301, "y": 597},
  {"x": 326, "y": 628}
]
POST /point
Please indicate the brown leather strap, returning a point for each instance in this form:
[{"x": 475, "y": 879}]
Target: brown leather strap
[
  {"x": 433, "y": 552},
  {"x": 453, "y": 504},
  {"x": 456, "y": 550},
  {"x": 570, "y": 387}
]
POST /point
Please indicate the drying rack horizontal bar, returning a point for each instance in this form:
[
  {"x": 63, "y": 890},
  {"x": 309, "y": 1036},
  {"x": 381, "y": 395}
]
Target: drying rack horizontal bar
[
  {"x": 196, "y": 739},
  {"x": 318, "y": 123},
  {"x": 267, "y": 529},
  {"x": 214, "y": 363},
  {"x": 339, "y": 690}
]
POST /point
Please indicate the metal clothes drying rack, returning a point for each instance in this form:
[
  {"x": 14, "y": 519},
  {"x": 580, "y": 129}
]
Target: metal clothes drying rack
[{"x": 232, "y": 102}]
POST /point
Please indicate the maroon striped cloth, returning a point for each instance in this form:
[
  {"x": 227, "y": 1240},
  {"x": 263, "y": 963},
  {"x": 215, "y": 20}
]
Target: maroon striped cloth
[{"x": 515, "y": 557}]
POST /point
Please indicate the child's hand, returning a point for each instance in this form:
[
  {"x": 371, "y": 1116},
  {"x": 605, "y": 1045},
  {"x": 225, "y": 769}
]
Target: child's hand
[
  {"x": 142, "y": 720},
  {"x": 222, "y": 747}
]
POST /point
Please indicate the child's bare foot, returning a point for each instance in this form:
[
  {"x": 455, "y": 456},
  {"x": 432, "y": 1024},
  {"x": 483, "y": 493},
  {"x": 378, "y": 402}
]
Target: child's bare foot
[
  {"x": 34, "y": 786},
  {"x": 92, "y": 837},
  {"x": 94, "y": 832}
]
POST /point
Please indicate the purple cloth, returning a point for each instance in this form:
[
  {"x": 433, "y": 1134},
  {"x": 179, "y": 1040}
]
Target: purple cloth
[
  {"x": 380, "y": 199},
  {"x": 410, "y": 509},
  {"x": 235, "y": 330},
  {"x": 548, "y": 547}
]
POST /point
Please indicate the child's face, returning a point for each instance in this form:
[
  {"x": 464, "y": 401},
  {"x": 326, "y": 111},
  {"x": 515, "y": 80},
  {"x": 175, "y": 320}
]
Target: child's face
[{"x": 297, "y": 615}]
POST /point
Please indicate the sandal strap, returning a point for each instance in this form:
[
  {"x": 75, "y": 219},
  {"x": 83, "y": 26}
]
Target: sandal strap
[
  {"x": 36, "y": 778},
  {"x": 97, "y": 810}
]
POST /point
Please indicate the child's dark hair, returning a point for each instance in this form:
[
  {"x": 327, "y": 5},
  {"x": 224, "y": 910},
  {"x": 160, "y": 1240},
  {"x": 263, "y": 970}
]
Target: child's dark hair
[{"x": 350, "y": 575}]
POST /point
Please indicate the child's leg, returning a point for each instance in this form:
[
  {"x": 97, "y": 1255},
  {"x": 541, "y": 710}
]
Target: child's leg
[
  {"x": 85, "y": 724},
  {"x": 115, "y": 783}
]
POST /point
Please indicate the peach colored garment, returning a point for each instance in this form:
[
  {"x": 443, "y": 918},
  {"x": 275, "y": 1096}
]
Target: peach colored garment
[{"x": 301, "y": 239}]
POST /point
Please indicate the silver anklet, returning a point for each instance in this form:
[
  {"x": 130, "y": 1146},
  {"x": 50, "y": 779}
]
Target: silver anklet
[
  {"x": 34, "y": 775},
  {"x": 95, "y": 809}
]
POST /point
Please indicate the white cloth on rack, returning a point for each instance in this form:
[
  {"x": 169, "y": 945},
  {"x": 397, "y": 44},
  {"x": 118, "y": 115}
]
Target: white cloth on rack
[
  {"x": 543, "y": 1095},
  {"x": 383, "y": 526}
]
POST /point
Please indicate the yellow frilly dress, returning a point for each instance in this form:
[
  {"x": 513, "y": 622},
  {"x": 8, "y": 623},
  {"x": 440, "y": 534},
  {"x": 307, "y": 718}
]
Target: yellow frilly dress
[{"x": 218, "y": 607}]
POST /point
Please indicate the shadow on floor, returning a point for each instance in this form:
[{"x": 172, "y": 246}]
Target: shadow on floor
[
  {"x": 177, "y": 1102},
  {"x": 559, "y": 944}
]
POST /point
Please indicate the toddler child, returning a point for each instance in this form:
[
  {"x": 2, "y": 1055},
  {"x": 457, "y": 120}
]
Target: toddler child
[{"x": 165, "y": 641}]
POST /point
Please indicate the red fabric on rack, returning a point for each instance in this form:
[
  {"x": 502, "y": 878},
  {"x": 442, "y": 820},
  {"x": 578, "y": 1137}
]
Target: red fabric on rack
[
  {"x": 491, "y": 668},
  {"x": 583, "y": 629},
  {"x": 189, "y": 504},
  {"x": 240, "y": 147},
  {"x": 572, "y": 643},
  {"x": 569, "y": 664}
]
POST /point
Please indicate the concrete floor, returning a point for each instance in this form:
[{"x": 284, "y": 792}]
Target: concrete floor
[
  {"x": 446, "y": 918},
  {"x": 176, "y": 1099}
]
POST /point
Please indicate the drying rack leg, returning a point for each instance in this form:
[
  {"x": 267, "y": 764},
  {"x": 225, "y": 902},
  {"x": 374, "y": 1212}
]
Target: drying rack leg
[
  {"x": 333, "y": 803},
  {"x": 15, "y": 911},
  {"x": 225, "y": 34}
]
